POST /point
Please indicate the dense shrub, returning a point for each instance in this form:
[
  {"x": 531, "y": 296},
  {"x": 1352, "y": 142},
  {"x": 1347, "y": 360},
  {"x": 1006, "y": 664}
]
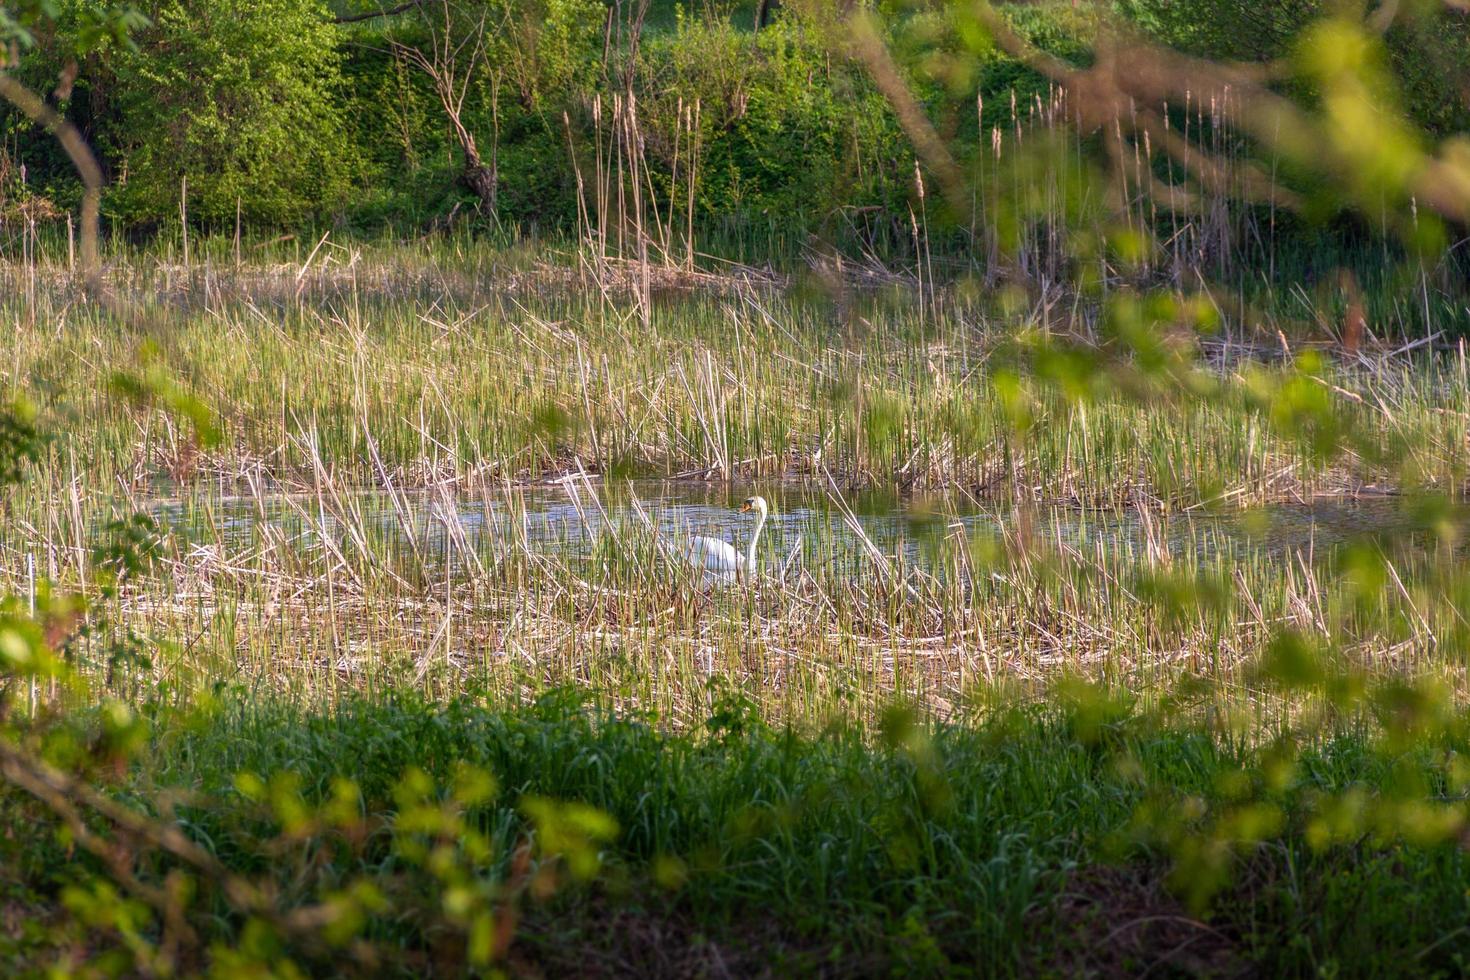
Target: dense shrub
[
  {"x": 1429, "y": 54},
  {"x": 279, "y": 109},
  {"x": 242, "y": 99},
  {"x": 282, "y": 111}
]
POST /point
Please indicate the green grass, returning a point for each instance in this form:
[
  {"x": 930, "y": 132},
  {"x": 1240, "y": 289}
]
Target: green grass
[{"x": 1003, "y": 847}]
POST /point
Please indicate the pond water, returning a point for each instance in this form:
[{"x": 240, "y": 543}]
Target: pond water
[{"x": 806, "y": 522}]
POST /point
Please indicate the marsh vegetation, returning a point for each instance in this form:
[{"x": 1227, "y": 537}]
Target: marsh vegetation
[{"x": 1103, "y": 370}]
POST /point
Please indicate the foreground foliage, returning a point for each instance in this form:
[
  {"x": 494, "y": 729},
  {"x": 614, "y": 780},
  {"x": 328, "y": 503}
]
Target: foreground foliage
[{"x": 393, "y": 834}]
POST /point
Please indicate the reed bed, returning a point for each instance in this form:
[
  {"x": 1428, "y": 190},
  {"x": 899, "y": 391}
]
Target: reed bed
[
  {"x": 473, "y": 368},
  {"x": 329, "y": 591},
  {"x": 354, "y": 385}
]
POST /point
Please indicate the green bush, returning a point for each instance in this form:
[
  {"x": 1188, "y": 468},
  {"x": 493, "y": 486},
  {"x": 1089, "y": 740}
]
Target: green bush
[
  {"x": 1429, "y": 49},
  {"x": 284, "y": 112},
  {"x": 241, "y": 99}
]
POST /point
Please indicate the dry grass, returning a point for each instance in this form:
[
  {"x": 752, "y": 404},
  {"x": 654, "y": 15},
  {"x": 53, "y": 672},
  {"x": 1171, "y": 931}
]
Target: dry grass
[{"x": 448, "y": 381}]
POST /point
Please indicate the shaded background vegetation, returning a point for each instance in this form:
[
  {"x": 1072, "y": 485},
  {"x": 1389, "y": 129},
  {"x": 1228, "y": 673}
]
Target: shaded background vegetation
[{"x": 279, "y": 115}]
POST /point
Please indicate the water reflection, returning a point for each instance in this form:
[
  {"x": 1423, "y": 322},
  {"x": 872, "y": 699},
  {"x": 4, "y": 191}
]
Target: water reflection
[{"x": 805, "y": 522}]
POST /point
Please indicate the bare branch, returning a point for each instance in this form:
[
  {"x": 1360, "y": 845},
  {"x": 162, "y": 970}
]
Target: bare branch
[
  {"x": 869, "y": 48},
  {"x": 82, "y": 159}
]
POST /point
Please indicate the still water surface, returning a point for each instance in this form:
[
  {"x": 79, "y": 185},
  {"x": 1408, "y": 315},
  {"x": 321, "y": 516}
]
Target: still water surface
[{"x": 806, "y": 522}]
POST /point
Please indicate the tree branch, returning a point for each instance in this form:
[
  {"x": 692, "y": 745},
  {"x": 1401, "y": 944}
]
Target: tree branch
[
  {"x": 868, "y": 48},
  {"x": 81, "y": 156},
  {"x": 373, "y": 14}
]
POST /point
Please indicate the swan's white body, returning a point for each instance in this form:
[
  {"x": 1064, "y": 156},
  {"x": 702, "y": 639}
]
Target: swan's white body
[{"x": 719, "y": 558}]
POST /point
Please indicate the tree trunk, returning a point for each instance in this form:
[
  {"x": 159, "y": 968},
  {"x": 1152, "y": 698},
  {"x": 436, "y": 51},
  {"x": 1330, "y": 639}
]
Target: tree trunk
[
  {"x": 483, "y": 182},
  {"x": 763, "y": 11}
]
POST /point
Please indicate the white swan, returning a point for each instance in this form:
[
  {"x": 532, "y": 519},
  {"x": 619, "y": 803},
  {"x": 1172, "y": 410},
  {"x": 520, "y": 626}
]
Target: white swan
[{"x": 719, "y": 558}]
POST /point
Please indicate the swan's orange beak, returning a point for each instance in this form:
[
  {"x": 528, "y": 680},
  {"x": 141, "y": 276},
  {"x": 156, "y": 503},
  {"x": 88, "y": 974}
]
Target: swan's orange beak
[{"x": 744, "y": 508}]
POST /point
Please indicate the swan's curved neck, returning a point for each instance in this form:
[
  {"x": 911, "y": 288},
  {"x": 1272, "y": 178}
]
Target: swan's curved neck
[{"x": 760, "y": 522}]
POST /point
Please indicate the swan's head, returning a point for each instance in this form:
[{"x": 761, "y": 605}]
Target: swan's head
[{"x": 757, "y": 504}]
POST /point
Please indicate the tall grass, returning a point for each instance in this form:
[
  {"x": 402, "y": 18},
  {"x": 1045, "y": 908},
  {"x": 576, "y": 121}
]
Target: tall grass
[
  {"x": 326, "y": 592},
  {"x": 474, "y": 366},
  {"x": 448, "y": 380}
]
